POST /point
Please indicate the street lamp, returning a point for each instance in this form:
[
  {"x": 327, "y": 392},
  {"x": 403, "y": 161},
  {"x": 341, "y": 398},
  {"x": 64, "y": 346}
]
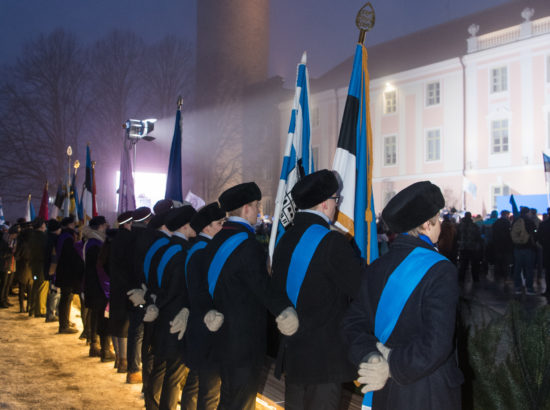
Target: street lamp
[{"x": 137, "y": 130}]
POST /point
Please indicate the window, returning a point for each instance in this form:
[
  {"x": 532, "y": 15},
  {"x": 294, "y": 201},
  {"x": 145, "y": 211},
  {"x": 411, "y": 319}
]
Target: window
[
  {"x": 388, "y": 196},
  {"x": 390, "y": 150},
  {"x": 499, "y": 79},
  {"x": 499, "y": 136},
  {"x": 390, "y": 102},
  {"x": 432, "y": 93},
  {"x": 433, "y": 145},
  {"x": 498, "y": 191}
]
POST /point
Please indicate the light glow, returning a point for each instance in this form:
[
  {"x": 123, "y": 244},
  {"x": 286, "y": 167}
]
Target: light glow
[{"x": 149, "y": 187}]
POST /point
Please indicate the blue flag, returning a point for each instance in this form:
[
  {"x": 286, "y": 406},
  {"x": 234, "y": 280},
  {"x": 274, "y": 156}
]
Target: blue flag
[
  {"x": 515, "y": 209},
  {"x": 298, "y": 159},
  {"x": 173, "y": 179},
  {"x": 30, "y": 214},
  {"x": 546, "y": 161},
  {"x": 86, "y": 199},
  {"x": 353, "y": 161}
]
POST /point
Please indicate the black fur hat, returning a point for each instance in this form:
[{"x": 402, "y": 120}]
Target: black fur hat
[
  {"x": 314, "y": 188},
  {"x": 413, "y": 206},
  {"x": 206, "y": 215},
  {"x": 239, "y": 195},
  {"x": 177, "y": 217}
]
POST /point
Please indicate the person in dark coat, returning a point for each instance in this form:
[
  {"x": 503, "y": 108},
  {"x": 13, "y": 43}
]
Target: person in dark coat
[
  {"x": 96, "y": 289},
  {"x": 38, "y": 248},
  {"x": 469, "y": 247},
  {"x": 240, "y": 297},
  {"x": 52, "y": 302},
  {"x": 23, "y": 273},
  {"x": 202, "y": 386},
  {"x": 543, "y": 238},
  {"x": 167, "y": 282},
  {"x": 502, "y": 246},
  {"x": 68, "y": 274},
  {"x": 10, "y": 266},
  {"x": 314, "y": 359},
  {"x": 401, "y": 327},
  {"x": 120, "y": 269}
]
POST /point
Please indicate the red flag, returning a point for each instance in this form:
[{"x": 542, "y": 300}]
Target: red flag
[{"x": 43, "y": 212}]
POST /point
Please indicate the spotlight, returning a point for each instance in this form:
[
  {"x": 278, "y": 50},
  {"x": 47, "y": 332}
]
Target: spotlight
[{"x": 139, "y": 129}]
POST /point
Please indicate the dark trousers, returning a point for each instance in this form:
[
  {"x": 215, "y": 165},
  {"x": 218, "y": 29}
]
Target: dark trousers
[
  {"x": 65, "y": 307},
  {"x": 325, "y": 396},
  {"x": 164, "y": 384},
  {"x": 6, "y": 285},
  {"x": 502, "y": 266},
  {"x": 469, "y": 257},
  {"x": 147, "y": 356},
  {"x": 135, "y": 339},
  {"x": 38, "y": 292},
  {"x": 524, "y": 260},
  {"x": 98, "y": 324},
  {"x": 239, "y": 387},
  {"x": 201, "y": 390},
  {"x": 25, "y": 294}
]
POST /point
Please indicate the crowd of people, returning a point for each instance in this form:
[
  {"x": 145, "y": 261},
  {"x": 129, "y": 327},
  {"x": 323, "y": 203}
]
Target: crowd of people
[{"x": 180, "y": 299}]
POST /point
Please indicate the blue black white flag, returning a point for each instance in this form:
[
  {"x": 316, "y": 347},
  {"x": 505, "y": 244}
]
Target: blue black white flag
[
  {"x": 30, "y": 214},
  {"x": 173, "y": 179},
  {"x": 298, "y": 158},
  {"x": 353, "y": 161},
  {"x": 86, "y": 197}
]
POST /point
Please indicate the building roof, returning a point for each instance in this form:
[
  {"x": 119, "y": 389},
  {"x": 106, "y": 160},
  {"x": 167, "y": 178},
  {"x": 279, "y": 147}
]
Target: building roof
[{"x": 431, "y": 45}]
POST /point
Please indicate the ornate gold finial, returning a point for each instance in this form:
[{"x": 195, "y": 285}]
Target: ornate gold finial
[
  {"x": 76, "y": 164},
  {"x": 180, "y": 102},
  {"x": 69, "y": 151},
  {"x": 93, "y": 164},
  {"x": 365, "y": 20}
]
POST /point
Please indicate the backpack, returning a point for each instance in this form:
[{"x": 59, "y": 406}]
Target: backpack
[{"x": 519, "y": 234}]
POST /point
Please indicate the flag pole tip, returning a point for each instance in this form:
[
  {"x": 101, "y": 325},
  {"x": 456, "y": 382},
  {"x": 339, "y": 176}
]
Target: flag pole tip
[{"x": 304, "y": 58}]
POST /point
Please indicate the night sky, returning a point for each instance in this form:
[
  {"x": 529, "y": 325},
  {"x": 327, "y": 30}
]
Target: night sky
[{"x": 324, "y": 28}]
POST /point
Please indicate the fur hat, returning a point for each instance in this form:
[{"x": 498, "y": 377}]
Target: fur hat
[
  {"x": 162, "y": 206},
  {"x": 141, "y": 214},
  {"x": 206, "y": 215},
  {"x": 314, "y": 188},
  {"x": 97, "y": 221},
  {"x": 67, "y": 221},
  {"x": 413, "y": 206},
  {"x": 125, "y": 217},
  {"x": 239, "y": 195},
  {"x": 53, "y": 225},
  {"x": 178, "y": 217}
]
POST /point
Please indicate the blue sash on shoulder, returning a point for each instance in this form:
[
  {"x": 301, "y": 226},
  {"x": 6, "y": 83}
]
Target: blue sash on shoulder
[
  {"x": 194, "y": 248},
  {"x": 150, "y": 253},
  {"x": 169, "y": 254},
  {"x": 301, "y": 258},
  {"x": 220, "y": 258},
  {"x": 400, "y": 286}
]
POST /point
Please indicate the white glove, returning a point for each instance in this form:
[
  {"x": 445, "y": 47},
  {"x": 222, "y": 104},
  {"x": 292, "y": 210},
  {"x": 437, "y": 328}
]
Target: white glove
[
  {"x": 385, "y": 351},
  {"x": 374, "y": 373},
  {"x": 151, "y": 313},
  {"x": 179, "y": 324},
  {"x": 137, "y": 296},
  {"x": 213, "y": 320},
  {"x": 287, "y": 321},
  {"x": 154, "y": 298}
]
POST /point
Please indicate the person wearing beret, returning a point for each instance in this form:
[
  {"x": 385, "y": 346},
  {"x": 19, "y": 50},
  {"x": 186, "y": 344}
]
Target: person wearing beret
[
  {"x": 320, "y": 280},
  {"x": 235, "y": 264},
  {"x": 401, "y": 327},
  {"x": 202, "y": 386},
  {"x": 69, "y": 272},
  {"x": 167, "y": 282},
  {"x": 120, "y": 270}
]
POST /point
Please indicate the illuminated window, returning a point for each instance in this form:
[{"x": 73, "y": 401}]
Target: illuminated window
[
  {"x": 499, "y": 136},
  {"x": 390, "y": 102},
  {"x": 499, "y": 79},
  {"x": 433, "y": 145},
  {"x": 432, "y": 93},
  {"x": 390, "y": 150}
]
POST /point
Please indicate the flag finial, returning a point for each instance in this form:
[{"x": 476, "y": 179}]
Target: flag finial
[
  {"x": 365, "y": 20},
  {"x": 180, "y": 102},
  {"x": 304, "y": 58}
]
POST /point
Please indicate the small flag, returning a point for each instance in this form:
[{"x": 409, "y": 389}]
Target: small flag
[
  {"x": 94, "y": 204},
  {"x": 195, "y": 200},
  {"x": 469, "y": 186},
  {"x": 126, "y": 198},
  {"x": 2, "y": 219},
  {"x": 43, "y": 211},
  {"x": 30, "y": 214},
  {"x": 515, "y": 209},
  {"x": 353, "y": 161},
  {"x": 87, "y": 200},
  {"x": 546, "y": 160},
  {"x": 173, "y": 178},
  {"x": 74, "y": 207},
  {"x": 297, "y": 160}
]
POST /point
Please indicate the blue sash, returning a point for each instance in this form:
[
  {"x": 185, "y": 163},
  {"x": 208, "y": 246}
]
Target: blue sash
[
  {"x": 150, "y": 253},
  {"x": 194, "y": 248},
  {"x": 169, "y": 254},
  {"x": 400, "y": 286},
  {"x": 301, "y": 258},
  {"x": 220, "y": 258}
]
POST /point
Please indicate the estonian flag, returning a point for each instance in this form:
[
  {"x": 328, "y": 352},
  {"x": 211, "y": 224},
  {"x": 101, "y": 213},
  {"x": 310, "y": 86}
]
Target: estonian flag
[
  {"x": 31, "y": 214},
  {"x": 298, "y": 159},
  {"x": 87, "y": 199},
  {"x": 173, "y": 179},
  {"x": 353, "y": 161}
]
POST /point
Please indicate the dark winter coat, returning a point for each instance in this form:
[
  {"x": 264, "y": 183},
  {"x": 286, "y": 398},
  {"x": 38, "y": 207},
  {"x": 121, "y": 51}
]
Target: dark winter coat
[
  {"x": 502, "y": 241},
  {"x": 23, "y": 272},
  {"x": 198, "y": 339},
  {"x": 317, "y": 352},
  {"x": 423, "y": 367},
  {"x": 94, "y": 296},
  {"x": 171, "y": 298},
  {"x": 121, "y": 265},
  {"x": 241, "y": 294},
  {"x": 543, "y": 237},
  {"x": 38, "y": 248},
  {"x": 70, "y": 266},
  {"x": 469, "y": 235}
]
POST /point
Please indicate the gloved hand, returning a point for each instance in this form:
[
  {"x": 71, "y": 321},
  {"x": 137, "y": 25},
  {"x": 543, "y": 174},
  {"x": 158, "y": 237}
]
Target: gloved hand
[
  {"x": 213, "y": 320},
  {"x": 151, "y": 313},
  {"x": 374, "y": 373},
  {"x": 287, "y": 321},
  {"x": 179, "y": 324},
  {"x": 385, "y": 351},
  {"x": 154, "y": 298},
  {"x": 137, "y": 296}
]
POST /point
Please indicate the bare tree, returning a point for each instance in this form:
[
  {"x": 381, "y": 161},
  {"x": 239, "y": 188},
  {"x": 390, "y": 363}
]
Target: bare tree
[{"x": 42, "y": 111}]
